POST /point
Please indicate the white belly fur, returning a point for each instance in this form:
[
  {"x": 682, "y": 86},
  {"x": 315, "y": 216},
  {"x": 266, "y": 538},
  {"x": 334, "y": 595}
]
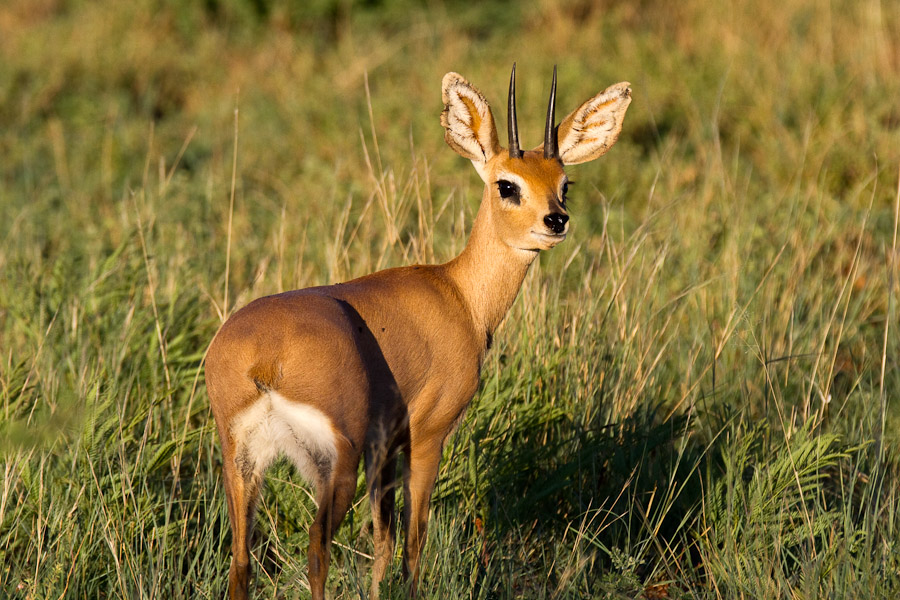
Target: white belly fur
[{"x": 273, "y": 425}]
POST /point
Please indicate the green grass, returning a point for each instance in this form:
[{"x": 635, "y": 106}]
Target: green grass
[{"x": 696, "y": 396}]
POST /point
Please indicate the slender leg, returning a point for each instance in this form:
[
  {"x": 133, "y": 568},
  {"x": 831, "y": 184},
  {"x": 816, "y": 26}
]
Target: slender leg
[
  {"x": 380, "y": 473},
  {"x": 419, "y": 475},
  {"x": 319, "y": 541},
  {"x": 334, "y": 498},
  {"x": 241, "y": 493}
]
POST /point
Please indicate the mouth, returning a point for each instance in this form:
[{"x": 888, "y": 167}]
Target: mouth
[{"x": 548, "y": 240}]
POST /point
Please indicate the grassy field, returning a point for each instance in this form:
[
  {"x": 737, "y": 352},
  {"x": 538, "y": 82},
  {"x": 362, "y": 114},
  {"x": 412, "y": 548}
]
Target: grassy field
[{"x": 696, "y": 396}]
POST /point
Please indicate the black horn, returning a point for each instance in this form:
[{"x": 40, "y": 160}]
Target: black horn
[
  {"x": 551, "y": 142},
  {"x": 512, "y": 122}
]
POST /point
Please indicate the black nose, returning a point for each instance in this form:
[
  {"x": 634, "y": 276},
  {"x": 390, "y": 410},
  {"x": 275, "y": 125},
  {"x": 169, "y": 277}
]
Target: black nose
[{"x": 556, "y": 222}]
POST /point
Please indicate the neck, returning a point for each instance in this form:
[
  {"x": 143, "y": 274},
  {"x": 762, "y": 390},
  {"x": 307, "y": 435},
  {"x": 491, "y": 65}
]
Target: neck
[{"x": 488, "y": 272}]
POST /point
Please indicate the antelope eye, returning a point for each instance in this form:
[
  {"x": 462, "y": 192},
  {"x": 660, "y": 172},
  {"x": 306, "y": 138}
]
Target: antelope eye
[
  {"x": 508, "y": 190},
  {"x": 565, "y": 192}
]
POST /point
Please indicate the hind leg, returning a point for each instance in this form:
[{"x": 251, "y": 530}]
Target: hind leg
[
  {"x": 242, "y": 492},
  {"x": 334, "y": 498},
  {"x": 380, "y": 476}
]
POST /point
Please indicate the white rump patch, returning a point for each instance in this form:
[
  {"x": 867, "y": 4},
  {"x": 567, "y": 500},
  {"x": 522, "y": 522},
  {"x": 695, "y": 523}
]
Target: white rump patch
[{"x": 274, "y": 425}]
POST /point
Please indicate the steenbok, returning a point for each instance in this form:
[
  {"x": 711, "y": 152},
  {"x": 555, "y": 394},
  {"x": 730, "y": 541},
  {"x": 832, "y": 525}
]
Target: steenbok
[{"x": 387, "y": 363}]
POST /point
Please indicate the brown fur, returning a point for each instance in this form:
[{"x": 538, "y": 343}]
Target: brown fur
[{"x": 392, "y": 359}]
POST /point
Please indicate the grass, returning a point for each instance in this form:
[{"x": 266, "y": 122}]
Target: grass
[{"x": 696, "y": 396}]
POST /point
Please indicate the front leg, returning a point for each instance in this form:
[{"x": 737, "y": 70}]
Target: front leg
[{"x": 420, "y": 471}]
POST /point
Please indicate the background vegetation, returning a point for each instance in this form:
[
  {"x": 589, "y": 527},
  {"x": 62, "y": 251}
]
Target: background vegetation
[{"x": 696, "y": 396}]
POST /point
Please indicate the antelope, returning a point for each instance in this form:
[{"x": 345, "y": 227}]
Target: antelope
[{"x": 387, "y": 363}]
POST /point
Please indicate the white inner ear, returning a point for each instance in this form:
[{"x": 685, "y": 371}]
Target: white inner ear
[
  {"x": 481, "y": 169},
  {"x": 595, "y": 125},
  {"x": 467, "y": 119}
]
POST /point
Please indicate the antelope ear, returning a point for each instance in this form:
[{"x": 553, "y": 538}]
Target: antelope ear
[
  {"x": 468, "y": 123},
  {"x": 591, "y": 129}
]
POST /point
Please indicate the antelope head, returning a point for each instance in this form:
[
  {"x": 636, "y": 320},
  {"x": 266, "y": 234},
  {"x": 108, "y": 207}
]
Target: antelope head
[{"x": 524, "y": 199}]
